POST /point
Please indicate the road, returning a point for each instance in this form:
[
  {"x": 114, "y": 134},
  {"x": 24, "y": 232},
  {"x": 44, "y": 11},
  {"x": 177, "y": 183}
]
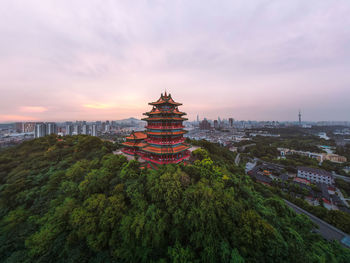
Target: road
[
  {"x": 341, "y": 196},
  {"x": 237, "y": 159},
  {"x": 328, "y": 231},
  {"x": 242, "y": 148},
  {"x": 345, "y": 178}
]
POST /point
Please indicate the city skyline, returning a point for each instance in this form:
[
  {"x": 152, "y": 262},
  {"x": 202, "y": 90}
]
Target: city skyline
[{"x": 64, "y": 61}]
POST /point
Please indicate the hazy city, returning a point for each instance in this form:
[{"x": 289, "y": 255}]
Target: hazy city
[{"x": 175, "y": 131}]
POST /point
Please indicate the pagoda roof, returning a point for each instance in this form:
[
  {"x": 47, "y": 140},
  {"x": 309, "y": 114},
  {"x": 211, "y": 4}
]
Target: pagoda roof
[
  {"x": 166, "y": 150},
  {"x": 165, "y": 119},
  {"x": 156, "y": 110},
  {"x": 165, "y": 99},
  {"x": 166, "y": 133},
  {"x": 135, "y": 144},
  {"x": 137, "y": 136}
]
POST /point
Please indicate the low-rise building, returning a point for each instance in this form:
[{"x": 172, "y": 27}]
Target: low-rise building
[
  {"x": 318, "y": 156},
  {"x": 315, "y": 175},
  {"x": 335, "y": 158}
]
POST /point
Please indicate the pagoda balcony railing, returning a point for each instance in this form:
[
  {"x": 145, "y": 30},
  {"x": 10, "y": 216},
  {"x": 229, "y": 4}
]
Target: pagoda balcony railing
[
  {"x": 162, "y": 142},
  {"x": 166, "y": 160},
  {"x": 163, "y": 127},
  {"x": 130, "y": 151}
]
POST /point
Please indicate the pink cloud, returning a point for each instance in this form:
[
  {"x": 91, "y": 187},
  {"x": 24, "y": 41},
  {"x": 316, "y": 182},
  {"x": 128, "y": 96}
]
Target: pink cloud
[
  {"x": 98, "y": 106},
  {"x": 33, "y": 109}
]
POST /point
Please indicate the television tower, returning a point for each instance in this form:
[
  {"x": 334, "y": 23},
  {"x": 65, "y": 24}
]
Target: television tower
[{"x": 299, "y": 118}]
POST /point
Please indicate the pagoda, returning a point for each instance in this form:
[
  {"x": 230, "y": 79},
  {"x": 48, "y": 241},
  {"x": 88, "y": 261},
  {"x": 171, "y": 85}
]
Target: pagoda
[
  {"x": 162, "y": 142},
  {"x": 134, "y": 143},
  {"x": 165, "y": 132}
]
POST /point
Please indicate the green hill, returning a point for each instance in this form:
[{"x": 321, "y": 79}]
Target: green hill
[{"x": 72, "y": 200}]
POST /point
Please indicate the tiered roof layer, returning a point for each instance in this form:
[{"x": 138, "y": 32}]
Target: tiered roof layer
[
  {"x": 137, "y": 136},
  {"x": 166, "y": 150},
  {"x": 164, "y": 99}
]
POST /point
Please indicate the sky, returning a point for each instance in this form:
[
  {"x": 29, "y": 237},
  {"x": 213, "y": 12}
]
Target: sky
[{"x": 105, "y": 60}]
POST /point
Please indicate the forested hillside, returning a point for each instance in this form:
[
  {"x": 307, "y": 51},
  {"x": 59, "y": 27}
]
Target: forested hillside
[{"x": 72, "y": 200}]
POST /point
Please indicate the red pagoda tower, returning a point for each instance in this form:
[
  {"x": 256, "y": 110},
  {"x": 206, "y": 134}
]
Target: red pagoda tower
[
  {"x": 165, "y": 132},
  {"x": 163, "y": 141}
]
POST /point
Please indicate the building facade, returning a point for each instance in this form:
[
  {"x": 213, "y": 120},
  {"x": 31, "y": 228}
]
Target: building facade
[
  {"x": 29, "y": 127},
  {"x": 94, "y": 130},
  {"x": 40, "y": 130},
  {"x": 85, "y": 129},
  {"x": 315, "y": 175},
  {"x": 230, "y": 120},
  {"x": 205, "y": 125},
  {"x": 51, "y": 128},
  {"x": 69, "y": 129}
]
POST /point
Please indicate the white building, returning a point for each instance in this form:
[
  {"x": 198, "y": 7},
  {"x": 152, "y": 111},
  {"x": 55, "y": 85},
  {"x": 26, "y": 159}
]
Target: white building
[
  {"x": 39, "y": 130},
  {"x": 315, "y": 175},
  {"x": 69, "y": 129},
  {"x": 94, "y": 130},
  {"x": 85, "y": 129},
  {"x": 77, "y": 129},
  {"x": 51, "y": 128}
]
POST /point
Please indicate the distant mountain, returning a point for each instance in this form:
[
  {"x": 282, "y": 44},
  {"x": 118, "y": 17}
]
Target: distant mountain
[{"x": 129, "y": 120}]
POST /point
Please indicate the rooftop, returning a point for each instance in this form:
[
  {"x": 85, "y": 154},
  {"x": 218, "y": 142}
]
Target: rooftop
[
  {"x": 137, "y": 136},
  {"x": 164, "y": 99}
]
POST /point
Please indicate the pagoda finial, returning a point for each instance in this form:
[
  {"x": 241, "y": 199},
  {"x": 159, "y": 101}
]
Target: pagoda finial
[{"x": 165, "y": 93}]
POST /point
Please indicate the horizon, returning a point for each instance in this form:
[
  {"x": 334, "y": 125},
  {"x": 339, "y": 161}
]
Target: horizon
[
  {"x": 263, "y": 61},
  {"x": 189, "y": 120}
]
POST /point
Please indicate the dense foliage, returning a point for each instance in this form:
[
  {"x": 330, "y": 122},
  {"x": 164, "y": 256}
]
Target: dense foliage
[{"x": 72, "y": 200}]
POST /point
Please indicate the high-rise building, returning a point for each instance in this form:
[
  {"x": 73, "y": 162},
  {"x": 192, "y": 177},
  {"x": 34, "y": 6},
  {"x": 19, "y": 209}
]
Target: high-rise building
[
  {"x": 103, "y": 126},
  {"x": 29, "y": 127},
  {"x": 197, "y": 118},
  {"x": 230, "y": 120},
  {"x": 85, "y": 129},
  {"x": 69, "y": 129},
  {"x": 205, "y": 125},
  {"x": 299, "y": 115},
  {"x": 51, "y": 128},
  {"x": 216, "y": 124},
  {"x": 40, "y": 130},
  {"x": 94, "y": 130},
  {"x": 77, "y": 129}
]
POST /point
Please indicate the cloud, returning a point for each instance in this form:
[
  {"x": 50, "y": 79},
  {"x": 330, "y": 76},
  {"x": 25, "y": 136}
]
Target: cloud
[
  {"x": 75, "y": 57},
  {"x": 98, "y": 106},
  {"x": 33, "y": 109}
]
